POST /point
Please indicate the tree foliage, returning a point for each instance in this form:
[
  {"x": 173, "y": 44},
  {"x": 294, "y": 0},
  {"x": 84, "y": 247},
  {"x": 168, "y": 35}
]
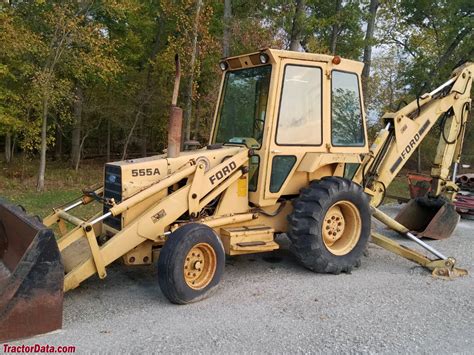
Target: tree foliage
[{"x": 94, "y": 78}]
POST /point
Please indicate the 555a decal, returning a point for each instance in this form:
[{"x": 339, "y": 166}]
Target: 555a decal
[{"x": 145, "y": 172}]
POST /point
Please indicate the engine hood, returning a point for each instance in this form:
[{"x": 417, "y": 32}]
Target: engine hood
[{"x": 135, "y": 174}]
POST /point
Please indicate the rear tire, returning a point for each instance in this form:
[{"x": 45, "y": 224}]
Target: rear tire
[
  {"x": 330, "y": 225},
  {"x": 191, "y": 263}
]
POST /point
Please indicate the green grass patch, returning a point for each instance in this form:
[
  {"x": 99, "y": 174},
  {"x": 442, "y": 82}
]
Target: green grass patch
[
  {"x": 398, "y": 187},
  {"x": 62, "y": 185}
]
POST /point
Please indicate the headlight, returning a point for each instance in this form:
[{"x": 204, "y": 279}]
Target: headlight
[
  {"x": 223, "y": 66},
  {"x": 263, "y": 58}
]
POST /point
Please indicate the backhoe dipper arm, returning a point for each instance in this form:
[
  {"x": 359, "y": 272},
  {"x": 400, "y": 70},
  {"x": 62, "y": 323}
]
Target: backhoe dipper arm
[{"x": 406, "y": 129}]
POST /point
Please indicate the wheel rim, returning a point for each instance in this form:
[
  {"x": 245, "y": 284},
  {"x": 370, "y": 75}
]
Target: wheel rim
[
  {"x": 200, "y": 266},
  {"x": 341, "y": 227}
]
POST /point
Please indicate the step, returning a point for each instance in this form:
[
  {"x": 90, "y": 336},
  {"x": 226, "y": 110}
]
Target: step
[{"x": 246, "y": 240}]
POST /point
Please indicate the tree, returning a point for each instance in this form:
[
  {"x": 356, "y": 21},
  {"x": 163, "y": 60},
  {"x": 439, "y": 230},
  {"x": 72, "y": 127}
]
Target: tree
[
  {"x": 192, "y": 63},
  {"x": 296, "y": 33},
  {"x": 76, "y": 130},
  {"x": 335, "y": 28},
  {"x": 15, "y": 74},
  {"x": 70, "y": 45},
  {"x": 227, "y": 28},
  {"x": 144, "y": 96},
  {"x": 369, "y": 37},
  {"x": 431, "y": 38},
  {"x": 94, "y": 78}
]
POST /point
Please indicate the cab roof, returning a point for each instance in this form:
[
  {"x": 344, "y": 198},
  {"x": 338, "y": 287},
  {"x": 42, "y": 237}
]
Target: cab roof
[{"x": 277, "y": 55}]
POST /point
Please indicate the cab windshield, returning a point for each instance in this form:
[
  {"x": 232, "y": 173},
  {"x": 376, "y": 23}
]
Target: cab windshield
[{"x": 243, "y": 106}]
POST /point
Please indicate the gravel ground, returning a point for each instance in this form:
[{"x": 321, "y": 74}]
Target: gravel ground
[{"x": 270, "y": 304}]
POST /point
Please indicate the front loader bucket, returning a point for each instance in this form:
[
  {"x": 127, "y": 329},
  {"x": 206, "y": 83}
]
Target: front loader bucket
[
  {"x": 432, "y": 218},
  {"x": 31, "y": 276}
]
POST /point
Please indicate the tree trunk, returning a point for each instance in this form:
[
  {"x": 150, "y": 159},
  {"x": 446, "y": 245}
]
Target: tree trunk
[
  {"x": 196, "y": 123},
  {"x": 8, "y": 147},
  {"x": 369, "y": 36},
  {"x": 44, "y": 129},
  {"x": 81, "y": 146},
  {"x": 453, "y": 45},
  {"x": 76, "y": 130},
  {"x": 297, "y": 26},
  {"x": 189, "y": 95},
  {"x": 58, "y": 144},
  {"x": 335, "y": 29},
  {"x": 226, "y": 36},
  {"x": 107, "y": 156},
  {"x": 143, "y": 136},
  {"x": 13, "y": 148},
  {"x": 129, "y": 136}
]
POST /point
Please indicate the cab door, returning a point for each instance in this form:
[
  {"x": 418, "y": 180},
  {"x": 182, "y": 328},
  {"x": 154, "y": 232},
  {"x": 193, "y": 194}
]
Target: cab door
[{"x": 298, "y": 127}]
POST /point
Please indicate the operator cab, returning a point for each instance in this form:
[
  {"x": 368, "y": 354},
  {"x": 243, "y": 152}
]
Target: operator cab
[{"x": 292, "y": 109}]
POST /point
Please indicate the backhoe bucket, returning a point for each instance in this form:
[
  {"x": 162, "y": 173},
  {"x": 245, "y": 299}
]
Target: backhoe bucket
[
  {"x": 31, "y": 276},
  {"x": 432, "y": 218}
]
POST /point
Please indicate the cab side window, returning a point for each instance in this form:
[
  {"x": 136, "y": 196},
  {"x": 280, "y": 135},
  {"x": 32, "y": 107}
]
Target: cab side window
[
  {"x": 299, "y": 120},
  {"x": 347, "y": 128}
]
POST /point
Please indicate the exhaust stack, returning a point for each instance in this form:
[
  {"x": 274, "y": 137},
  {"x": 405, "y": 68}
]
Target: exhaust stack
[{"x": 176, "y": 117}]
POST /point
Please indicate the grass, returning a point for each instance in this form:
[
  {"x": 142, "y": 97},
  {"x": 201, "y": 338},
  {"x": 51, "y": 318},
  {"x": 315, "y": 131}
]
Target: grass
[
  {"x": 62, "y": 184},
  {"x": 398, "y": 187}
]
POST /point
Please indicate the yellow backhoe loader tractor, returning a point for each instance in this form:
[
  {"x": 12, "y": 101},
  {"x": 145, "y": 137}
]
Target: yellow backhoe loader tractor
[{"x": 288, "y": 153}]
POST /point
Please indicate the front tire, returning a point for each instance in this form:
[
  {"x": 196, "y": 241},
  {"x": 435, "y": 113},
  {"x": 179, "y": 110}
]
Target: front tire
[
  {"x": 191, "y": 263},
  {"x": 330, "y": 225}
]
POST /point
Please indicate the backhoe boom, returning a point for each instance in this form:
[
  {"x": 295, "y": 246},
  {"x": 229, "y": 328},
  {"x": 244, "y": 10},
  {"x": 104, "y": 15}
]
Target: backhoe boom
[{"x": 406, "y": 129}]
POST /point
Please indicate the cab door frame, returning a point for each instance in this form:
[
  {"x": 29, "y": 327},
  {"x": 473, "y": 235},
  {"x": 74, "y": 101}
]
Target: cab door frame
[{"x": 294, "y": 178}]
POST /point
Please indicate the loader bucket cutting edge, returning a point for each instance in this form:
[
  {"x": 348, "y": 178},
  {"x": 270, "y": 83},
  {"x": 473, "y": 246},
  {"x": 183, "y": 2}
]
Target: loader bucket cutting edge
[
  {"x": 31, "y": 276},
  {"x": 429, "y": 218}
]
